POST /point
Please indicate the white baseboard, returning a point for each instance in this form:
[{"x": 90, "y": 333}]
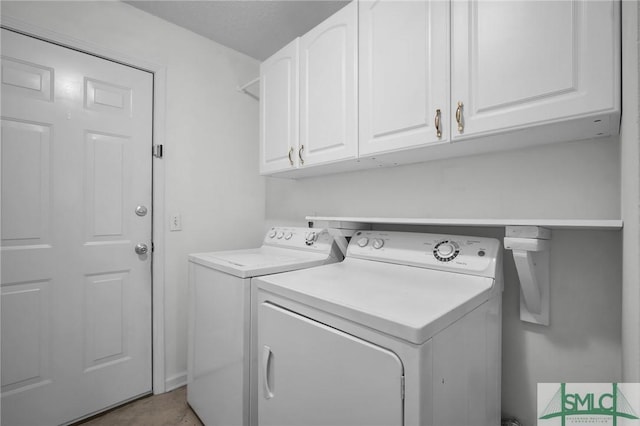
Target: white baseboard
[{"x": 175, "y": 381}]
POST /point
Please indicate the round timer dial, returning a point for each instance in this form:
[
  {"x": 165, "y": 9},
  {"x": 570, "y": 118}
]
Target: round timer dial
[
  {"x": 310, "y": 238},
  {"x": 446, "y": 251}
]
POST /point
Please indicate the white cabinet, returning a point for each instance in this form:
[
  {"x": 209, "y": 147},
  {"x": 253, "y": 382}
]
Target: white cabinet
[
  {"x": 516, "y": 64},
  {"x": 487, "y": 75},
  {"x": 308, "y": 97},
  {"x": 328, "y": 95},
  {"x": 549, "y": 70},
  {"x": 404, "y": 74},
  {"x": 279, "y": 110}
]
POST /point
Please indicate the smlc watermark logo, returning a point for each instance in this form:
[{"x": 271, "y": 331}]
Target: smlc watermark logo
[{"x": 561, "y": 404}]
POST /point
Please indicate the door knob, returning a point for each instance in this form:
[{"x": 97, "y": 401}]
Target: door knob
[
  {"x": 141, "y": 211},
  {"x": 141, "y": 248}
]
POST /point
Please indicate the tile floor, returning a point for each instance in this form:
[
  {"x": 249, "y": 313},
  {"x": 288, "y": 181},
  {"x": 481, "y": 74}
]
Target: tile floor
[{"x": 167, "y": 409}]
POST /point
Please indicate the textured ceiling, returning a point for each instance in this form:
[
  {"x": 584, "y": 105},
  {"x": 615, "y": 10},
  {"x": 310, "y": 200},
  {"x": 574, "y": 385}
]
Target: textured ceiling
[{"x": 256, "y": 28}]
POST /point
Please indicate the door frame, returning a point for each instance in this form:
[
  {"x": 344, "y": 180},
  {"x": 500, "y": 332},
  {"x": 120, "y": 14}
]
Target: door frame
[{"x": 159, "y": 73}]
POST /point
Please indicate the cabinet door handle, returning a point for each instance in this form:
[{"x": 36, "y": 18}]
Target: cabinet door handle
[
  {"x": 300, "y": 154},
  {"x": 290, "y": 159},
  {"x": 266, "y": 370},
  {"x": 459, "y": 117},
  {"x": 438, "y": 129}
]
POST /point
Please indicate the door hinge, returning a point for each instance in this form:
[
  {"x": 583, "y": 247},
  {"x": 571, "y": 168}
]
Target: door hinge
[
  {"x": 152, "y": 247},
  {"x": 402, "y": 387},
  {"x": 158, "y": 151}
]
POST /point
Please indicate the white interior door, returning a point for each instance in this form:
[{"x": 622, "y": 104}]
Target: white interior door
[
  {"x": 311, "y": 374},
  {"x": 76, "y": 298}
]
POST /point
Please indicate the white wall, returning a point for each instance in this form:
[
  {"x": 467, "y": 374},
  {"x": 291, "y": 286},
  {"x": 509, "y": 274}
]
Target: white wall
[
  {"x": 630, "y": 136},
  {"x": 576, "y": 180},
  {"x": 211, "y": 137}
]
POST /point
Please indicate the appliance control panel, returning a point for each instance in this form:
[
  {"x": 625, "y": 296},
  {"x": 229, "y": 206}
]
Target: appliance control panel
[
  {"x": 456, "y": 253},
  {"x": 316, "y": 239}
]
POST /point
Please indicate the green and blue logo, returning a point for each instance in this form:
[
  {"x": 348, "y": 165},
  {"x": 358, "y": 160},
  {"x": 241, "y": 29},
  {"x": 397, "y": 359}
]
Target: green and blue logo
[{"x": 588, "y": 404}]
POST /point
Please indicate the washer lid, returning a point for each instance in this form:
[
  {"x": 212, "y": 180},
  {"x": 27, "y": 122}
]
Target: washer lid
[
  {"x": 402, "y": 301},
  {"x": 264, "y": 260}
]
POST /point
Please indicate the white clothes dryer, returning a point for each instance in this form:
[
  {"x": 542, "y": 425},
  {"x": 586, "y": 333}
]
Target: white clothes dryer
[
  {"x": 222, "y": 378},
  {"x": 405, "y": 331}
]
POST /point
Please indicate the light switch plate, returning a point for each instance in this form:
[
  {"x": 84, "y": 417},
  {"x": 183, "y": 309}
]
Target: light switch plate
[{"x": 175, "y": 222}]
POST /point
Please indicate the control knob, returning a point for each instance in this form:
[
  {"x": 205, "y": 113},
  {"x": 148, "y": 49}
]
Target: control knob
[
  {"x": 362, "y": 242},
  {"x": 288, "y": 235},
  {"x": 446, "y": 251},
  {"x": 311, "y": 238},
  {"x": 272, "y": 233},
  {"x": 378, "y": 243},
  {"x": 280, "y": 235}
]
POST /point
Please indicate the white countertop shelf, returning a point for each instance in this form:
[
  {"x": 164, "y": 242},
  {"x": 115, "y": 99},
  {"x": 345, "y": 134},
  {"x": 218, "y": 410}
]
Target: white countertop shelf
[{"x": 354, "y": 222}]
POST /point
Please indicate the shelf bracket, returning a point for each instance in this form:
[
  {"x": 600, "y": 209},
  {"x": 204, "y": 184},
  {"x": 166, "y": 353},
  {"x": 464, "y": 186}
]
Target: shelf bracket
[
  {"x": 243, "y": 88},
  {"x": 530, "y": 247}
]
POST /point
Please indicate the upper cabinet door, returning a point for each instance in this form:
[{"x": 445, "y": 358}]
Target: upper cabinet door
[
  {"x": 404, "y": 74},
  {"x": 523, "y": 63},
  {"x": 279, "y": 110},
  {"x": 328, "y": 95}
]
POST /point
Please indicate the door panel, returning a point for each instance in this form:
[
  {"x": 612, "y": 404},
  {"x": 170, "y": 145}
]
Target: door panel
[
  {"x": 404, "y": 74},
  {"x": 328, "y": 83},
  {"x": 496, "y": 70},
  {"x": 106, "y": 322},
  {"x": 279, "y": 110},
  {"x": 106, "y": 191},
  {"x": 26, "y": 358},
  {"x": 76, "y": 298},
  {"x": 25, "y": 183},
  {"x": 311, "y": 374},
  {"x": 26, "y": 79},
  {"x": 542, "y": 72},
  {"x": 109, "y": 98}
]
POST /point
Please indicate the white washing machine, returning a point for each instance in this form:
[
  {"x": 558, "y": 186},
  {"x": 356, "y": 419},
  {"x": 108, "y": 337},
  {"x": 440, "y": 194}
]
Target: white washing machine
[
  {"x": 222, "y": 385},
  {"x": 405, "y": 331}
]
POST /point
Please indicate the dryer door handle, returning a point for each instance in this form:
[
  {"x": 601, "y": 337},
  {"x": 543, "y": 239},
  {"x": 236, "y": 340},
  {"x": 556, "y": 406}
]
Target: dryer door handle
[{"x": 267, "y": 372}]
